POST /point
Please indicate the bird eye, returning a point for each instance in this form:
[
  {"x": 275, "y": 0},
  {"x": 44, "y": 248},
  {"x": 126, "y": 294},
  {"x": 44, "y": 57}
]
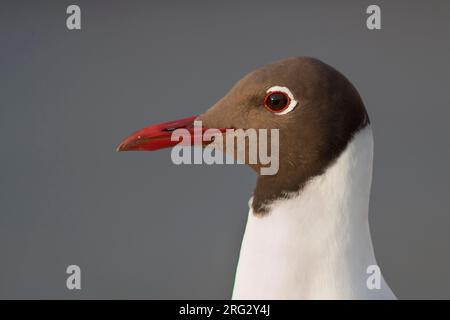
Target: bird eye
[
  {"x": 276, "y": 101},
  {"x": 279, "y": 100}
]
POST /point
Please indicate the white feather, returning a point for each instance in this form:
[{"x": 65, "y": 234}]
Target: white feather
[{"x": 316, "y": 244}]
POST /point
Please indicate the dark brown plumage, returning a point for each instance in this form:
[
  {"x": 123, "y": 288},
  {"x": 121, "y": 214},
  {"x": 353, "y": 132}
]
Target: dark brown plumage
[{"x": 329, "y": 112}]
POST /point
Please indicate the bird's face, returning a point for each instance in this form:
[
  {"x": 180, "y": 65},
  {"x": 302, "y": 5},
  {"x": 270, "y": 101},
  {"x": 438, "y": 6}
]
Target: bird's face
[
  {"x": 282, "y": 96},
  {"x": 315, "y": 109},
  {"x": 294, "y": 96}
]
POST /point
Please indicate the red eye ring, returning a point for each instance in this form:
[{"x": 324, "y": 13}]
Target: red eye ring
[{"x": 267, "y": 102}]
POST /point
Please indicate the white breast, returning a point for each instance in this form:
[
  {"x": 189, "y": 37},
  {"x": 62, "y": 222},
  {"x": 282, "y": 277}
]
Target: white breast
[{"x": 316, "y": 244}]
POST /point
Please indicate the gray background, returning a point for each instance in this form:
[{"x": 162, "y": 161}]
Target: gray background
[{"x": 141, "y": 227}]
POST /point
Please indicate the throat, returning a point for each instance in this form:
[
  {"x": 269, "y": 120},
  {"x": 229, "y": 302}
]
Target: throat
[{"x": 315, "y": 243}]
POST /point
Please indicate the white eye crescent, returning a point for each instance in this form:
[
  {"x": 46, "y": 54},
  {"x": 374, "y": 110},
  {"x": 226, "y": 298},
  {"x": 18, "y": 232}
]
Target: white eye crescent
[{"x": 279, "y": 100}]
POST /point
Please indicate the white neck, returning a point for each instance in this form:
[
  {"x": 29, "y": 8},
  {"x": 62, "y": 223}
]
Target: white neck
[{"x": 316, "y": 244}]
